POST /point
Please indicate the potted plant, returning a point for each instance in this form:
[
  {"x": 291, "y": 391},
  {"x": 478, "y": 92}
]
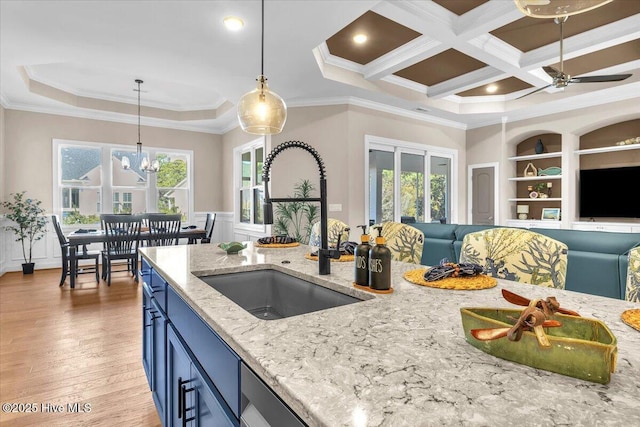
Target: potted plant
[{"x": 30, "y": 225}]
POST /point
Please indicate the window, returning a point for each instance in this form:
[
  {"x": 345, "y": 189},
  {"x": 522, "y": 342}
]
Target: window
[
  {"x": 80, "y": 181},
  {"x": 399, "y": 174},
  {"x": 249, "y": 194}
]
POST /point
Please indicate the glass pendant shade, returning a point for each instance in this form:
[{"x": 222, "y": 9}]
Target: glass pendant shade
[
  {"x": 557, "y": 8},
  {"x": 262, "y": 112},
  {"x": 126, "y": 164}
]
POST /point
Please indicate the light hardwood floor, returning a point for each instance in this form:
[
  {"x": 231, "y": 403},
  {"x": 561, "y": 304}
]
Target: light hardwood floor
[{"x": 61, "y": 346}]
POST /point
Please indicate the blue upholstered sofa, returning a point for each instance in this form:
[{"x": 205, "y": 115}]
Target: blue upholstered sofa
[{"x": 597, "y": 260}]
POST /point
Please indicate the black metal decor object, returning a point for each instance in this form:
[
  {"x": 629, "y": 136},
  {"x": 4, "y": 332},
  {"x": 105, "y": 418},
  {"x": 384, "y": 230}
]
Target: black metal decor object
[{"x": 324, "y": 254}]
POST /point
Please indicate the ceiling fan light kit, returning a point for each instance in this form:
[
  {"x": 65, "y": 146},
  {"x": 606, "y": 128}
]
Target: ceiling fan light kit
[
  {"x": 261, "y": 111},
  {"x": 557, "y": 8}
]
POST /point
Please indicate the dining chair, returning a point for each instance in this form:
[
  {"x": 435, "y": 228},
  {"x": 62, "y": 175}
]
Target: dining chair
[
  {"x": 517, "y": 254},
  {"x": 164, "y": 229},
  {"x": 208, "y": 227},
  {"x": 335, "y": 228},
  {"x": 633, "y": 276},
  {"x": 404, "y": 241},
  {"x": 67, "y": 259},
  {"x": 122, "y": 238}
]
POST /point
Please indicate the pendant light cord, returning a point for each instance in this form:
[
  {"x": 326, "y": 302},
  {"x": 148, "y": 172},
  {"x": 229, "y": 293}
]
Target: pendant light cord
[
  {"x": 138, "y": 111},
  {"x": 262, "y": 47}
]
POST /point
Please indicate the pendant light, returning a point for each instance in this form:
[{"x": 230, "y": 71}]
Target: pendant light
[
  {"x": 145, "y": 166},
  {"x": 261, "y": 111},
  {"x": 557, "y": 8}
]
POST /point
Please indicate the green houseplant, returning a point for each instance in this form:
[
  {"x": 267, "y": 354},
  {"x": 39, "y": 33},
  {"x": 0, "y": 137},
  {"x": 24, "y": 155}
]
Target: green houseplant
[
  {"x": 295, "y": 219},
  {"x": 29, "y": 226}
]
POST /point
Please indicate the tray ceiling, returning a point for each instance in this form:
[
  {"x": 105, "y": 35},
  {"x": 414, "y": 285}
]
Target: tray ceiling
[{"x": 431, "y": 60}]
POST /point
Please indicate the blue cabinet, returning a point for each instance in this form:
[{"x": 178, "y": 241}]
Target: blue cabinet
[
  {"x": 194, "y": 376},
  {"x": 154, "y": 339},
  {"x": 193, "y": 399}
]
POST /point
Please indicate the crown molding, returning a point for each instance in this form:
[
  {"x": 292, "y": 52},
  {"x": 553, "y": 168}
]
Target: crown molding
[{"x": 4, "y": 101}]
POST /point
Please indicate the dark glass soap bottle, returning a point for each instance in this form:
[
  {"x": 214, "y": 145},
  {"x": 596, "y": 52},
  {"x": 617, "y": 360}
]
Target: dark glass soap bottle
[
  {"x": 361, "y": 256},
  {"x": 380, "y": 264}
]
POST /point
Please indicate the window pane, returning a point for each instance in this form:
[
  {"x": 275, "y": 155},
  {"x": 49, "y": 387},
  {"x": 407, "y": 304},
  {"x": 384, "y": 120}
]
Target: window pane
[
  {"x": 174, "y": 202},
  {"x": 80, "y": 166},
  {"x": 440, "y": 189},
  {"x": 246, "y": 169},
  {"x": 173, "y": 171},
  {"x": 80, "y": 205},
  {"x": 127, "y": 177},
  {"x": 258, "y": 199},
  {"x": 129, "y": 201},
  {"x": 381, "y": 205},
  {"x": 245, "y": 206},
  {"x": 259, "y": 163},
  {"x": 412, "y": 186}
]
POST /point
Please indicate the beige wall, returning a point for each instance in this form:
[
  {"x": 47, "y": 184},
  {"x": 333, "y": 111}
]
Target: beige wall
[
  {"x": 27, "y": 159},
  {"x": 2, "y": 155},
  {"x": 369, "y": 122},
  {"x": 338, "y": 133}
]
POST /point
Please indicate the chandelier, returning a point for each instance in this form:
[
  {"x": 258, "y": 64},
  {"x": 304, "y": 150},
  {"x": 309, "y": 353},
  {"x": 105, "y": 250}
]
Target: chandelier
[
  {"x": 261, "y": 111},
  {"x": 145, "y": 165}
]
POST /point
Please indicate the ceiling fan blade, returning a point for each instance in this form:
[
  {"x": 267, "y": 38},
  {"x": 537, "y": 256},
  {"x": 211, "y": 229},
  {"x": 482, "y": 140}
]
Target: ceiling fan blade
[
  {"x": 551, "y": 71},
  {"x": 537, "y": 90},
  {"x": 600, "y": 79}
]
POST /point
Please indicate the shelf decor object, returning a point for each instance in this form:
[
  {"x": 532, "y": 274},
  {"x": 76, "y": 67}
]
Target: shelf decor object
[
  {"x": 550, "y": 214},
  {"x": 262, "y": 111},
  {"x": 530, "y": 170},
  {"x": 539, "y": 147},
  {"x": 523, "y": 211},
  {"x": 552, "y": 170}
]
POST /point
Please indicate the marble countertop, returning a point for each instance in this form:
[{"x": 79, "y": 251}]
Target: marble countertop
[{"x": 400, "y": 359}]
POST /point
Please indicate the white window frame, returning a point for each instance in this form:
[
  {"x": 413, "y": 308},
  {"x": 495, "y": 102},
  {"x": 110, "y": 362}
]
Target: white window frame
[
  {"x": 251, "y": 146},
  {"x": 398, "y": 147},
  {"x": 107, "y": 188}
]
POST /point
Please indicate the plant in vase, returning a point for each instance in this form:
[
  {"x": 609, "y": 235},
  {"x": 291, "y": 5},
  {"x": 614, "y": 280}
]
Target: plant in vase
[
  {"x": 542, "y": 189},
  {"x": 29, "y": 227}
]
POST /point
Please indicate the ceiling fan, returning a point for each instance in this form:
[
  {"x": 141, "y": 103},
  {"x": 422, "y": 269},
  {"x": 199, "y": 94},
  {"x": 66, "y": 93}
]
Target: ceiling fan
[{"x": 561, "y": 79}]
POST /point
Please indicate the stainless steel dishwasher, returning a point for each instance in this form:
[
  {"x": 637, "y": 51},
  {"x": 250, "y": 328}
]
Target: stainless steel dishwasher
[{"x": 260, "y": 406}]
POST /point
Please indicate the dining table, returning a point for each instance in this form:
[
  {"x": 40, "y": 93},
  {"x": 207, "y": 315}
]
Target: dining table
[{"x": 82, "y": 237}]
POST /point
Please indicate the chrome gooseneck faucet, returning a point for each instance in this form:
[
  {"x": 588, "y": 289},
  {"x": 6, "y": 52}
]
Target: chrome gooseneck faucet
[{"x": 324, "y": 254}]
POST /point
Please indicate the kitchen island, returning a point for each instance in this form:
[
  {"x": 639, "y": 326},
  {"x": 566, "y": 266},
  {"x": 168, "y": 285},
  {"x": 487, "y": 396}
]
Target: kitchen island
[{"x": 402, "y": 358}]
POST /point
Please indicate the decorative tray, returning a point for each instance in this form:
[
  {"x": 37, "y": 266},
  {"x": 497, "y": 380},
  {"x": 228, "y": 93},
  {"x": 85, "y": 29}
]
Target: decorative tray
[
  {"x": 343, "y": 258},
  {"x": 632, "y": 318},
  {"x": 480, "y": 281},
  {"x": 565, "y": 344},
  {"x": 277, "y": 245},
  {"x": 232, "y": 247}
]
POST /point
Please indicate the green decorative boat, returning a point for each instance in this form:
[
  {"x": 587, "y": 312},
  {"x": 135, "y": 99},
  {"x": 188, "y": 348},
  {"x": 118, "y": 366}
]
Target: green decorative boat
[{"x": 580, "y": 348}]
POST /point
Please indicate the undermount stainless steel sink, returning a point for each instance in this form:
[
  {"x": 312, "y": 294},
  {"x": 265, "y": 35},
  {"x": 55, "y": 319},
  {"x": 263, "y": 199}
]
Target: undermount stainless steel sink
[{"x": 271, "y": 294}]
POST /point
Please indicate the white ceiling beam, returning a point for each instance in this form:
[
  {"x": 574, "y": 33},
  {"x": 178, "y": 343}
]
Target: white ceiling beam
[{"x": 411, "y": 53}]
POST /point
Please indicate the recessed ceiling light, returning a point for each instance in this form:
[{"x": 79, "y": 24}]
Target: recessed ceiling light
[
  {"x": 233, "y": 23},
  {"x": 492, "y": 88},
  {"x": 360, "y": 38}
]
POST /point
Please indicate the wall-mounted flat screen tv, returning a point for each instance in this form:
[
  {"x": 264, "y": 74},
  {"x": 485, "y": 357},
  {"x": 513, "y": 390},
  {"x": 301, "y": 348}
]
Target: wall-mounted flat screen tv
[{"x": 611, "y": 192}]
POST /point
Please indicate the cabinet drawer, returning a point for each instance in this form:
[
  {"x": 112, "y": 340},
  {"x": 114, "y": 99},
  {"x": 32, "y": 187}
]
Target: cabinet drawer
[
  {"x": 158, "y": 287},
  {"x": 145, "y": 272},
  {"x": 220, "y": 363}
]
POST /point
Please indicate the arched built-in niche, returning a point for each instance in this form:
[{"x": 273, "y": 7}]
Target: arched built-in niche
[{"x": 551, "y": 157}]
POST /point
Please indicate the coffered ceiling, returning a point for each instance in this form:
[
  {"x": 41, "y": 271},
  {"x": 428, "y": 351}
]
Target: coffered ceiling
[{"x": 431, "y": 60}]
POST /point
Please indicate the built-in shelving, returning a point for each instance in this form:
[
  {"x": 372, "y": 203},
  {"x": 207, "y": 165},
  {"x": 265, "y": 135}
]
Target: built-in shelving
[
  {"x": 537, "y": 199},
  {"x": 535, "y": 178},
  {"x": 537, "y": 156},
  {"x": 608, "y": 149}
]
